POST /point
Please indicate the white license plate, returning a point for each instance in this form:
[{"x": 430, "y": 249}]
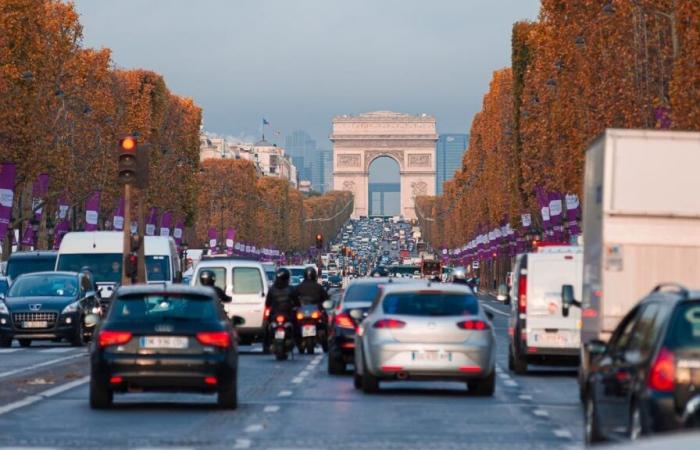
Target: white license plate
[
  {"x": 164, "y": 342},
  {"x": 35, "y": 324},
  {"x": 308, "y": 331},
  {"x": 558, "y": 339},
  {"x": 279, "y": 334},
  {"x": 433, "y": 356}
]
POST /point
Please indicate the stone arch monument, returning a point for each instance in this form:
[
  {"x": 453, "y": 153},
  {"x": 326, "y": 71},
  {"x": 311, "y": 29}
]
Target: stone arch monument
[{"x": 409, "y": 140}]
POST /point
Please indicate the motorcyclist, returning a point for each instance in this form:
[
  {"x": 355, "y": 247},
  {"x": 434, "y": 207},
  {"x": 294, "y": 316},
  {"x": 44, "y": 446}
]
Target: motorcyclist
[
  {"x": 279, "y": 301},
  {"x": 309, "y": 292},
  {"x": 459, "y": 275},
  {"x": 208, "y": 278}
]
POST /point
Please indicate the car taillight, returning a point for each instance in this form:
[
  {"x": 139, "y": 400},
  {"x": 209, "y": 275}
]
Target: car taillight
[
  {"x": 343, "y": 320},
  {"x": 107, "y": 338},
  {"x": 280, "y": 319},
  {"x": 300, "y": 315},
  {"x": 267, "y": 312},
  {"x": 214, "y": 338},
  {"x": 663, "y": 372},
  {"x": 473, "y": 325},
  {"x": 389, "y": 323},
  {"x": 315, "y": 315},
  {"x": 522, "y": 293}
]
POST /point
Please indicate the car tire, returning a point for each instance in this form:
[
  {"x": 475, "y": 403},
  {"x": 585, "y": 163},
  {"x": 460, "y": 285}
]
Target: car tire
[
  {"x": 336, "y": 366},
  {"x": 266, "y": 344},
  {"x": 635, "y": 430},
  {"x": 78, "y": 338},
  {"x": 101, "y": 397},
  {"x": 5, "y": 342},
  {"x": 519, "y": 363},
  {"x": 310, "y": 348},
  {"x": 370, "y": 383},
  {"x": 227, "y": 398},
  {"x": 324, "y": 345},
  {"x": 591, "y": 427},
  {"x": 357, "y": 380},
  {"x": 511, "y": 363},
  {"x": 484, "y": 387},
  {"x": 25, "y": 342}
]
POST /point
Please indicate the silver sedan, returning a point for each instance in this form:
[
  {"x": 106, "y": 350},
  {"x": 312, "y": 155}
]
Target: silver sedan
[{"x": 426, "y": 332}]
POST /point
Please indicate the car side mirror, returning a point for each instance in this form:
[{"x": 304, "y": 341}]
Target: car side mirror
[
  {"x": 328, "y": 304},
  {"x": 567, "y": 299},
  {"x": 238, "y": 321},
  {"x": 596, "y": 347}
]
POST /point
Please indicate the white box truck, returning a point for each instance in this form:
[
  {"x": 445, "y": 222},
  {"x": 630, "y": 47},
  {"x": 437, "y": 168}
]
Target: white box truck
[{"x": 641, "y": 223}]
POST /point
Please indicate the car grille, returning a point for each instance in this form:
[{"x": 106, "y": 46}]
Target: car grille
[{"x": 48, "y": 317}]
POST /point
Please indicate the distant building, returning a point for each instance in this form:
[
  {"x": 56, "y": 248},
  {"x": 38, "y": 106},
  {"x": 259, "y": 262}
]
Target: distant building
[
  {"x": 274, "y": 162},
  {"x": 313, "y": 164},
  {"x": 305, "y": 186},
  {"x": 325, "y": 182},
  {"x": 450, "y": 150}
]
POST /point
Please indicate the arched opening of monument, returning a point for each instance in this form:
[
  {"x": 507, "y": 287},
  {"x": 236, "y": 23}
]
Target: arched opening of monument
[{"x": 384, "y": 187}]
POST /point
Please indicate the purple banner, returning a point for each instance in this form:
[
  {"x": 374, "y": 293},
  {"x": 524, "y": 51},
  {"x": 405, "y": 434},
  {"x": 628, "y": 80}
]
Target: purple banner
[
  {"x": 166, "y": 221},
  {"x": 29, "y": 235},
  {"x": 92, "y": 211},
  {"x": 230, "y": 237},
  {"x": 62, "y": 227},
  {"x": 8, "y": 172},
  {"x": 151, "y": 221},
  {"x": 118, "y": 216},
  {"x": 39, "y": 192},
  {"x": 212, "y": 239},
  {"x": 573, "y": 209},
  {"x": 555, "y": 214},
  {"x": 177, "y": 232}
]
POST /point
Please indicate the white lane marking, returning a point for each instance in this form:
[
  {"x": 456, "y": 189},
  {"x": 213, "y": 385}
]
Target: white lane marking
[
  {"x": 8, "y": 350},
  {"x": 297, "y": 380},
  {"x": 504, "y": 376},
  {"x": 242, "y": 443},
  {"x": 495, "y": 311},
  {"x": 540, "y": 413},
  {"x": 254, "y": 428},
  {"x": 57, "y": 350},
  {"x": 525, "y": 397},
  {"x": 303, "y": 373},
  {"x": 563, "y": 433},
  {"x": 499, "y": 370},
  {"x": 43, "y": 364},
  {"x": 43, "y": 395},
  {"x": 285, "y": 394},
  {"x": 271, "y": 408},
  {"x": 510, "y": 383}
]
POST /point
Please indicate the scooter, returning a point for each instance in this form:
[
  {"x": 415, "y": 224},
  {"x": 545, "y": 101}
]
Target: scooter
[
  {"x": 282, "y": 331},
  {"x": 310, "y": 329}
]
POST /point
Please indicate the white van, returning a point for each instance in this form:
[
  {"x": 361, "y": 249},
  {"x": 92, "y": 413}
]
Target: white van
[
  {"x": 540, "y": 330},
  {"x": 102, "y": 252},
  {"x": 245, "y": 282}
]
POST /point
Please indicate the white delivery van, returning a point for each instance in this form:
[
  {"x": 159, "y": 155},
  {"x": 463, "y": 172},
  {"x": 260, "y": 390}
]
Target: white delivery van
[
  {"x": 102, "y": 252},
  {"x": 540, "y": 329},
  {"x": 245, "y": 282},
  {"x": 641, "y": 224}
]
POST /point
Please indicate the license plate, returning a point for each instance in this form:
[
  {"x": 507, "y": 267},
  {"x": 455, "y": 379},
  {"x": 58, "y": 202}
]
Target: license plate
[
  {"x": 172, "y": 342},
  {"x": 432, "y": 356},
  {"x": 558, "y": 339},
  {"x": 35, "y": 324},
  {"x": 308, "y": 331},
  {"x": 279, "y": 334}
]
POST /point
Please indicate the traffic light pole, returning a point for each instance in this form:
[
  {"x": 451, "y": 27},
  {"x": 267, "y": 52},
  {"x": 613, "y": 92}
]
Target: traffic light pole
[
  {"x": 127, "y": 233},
  {"x": 141, "y": 275}
]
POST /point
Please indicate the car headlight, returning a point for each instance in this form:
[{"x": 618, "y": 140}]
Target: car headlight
[
  {"x": 3, "y": 308},
  {"x": 73, "y": 307}
]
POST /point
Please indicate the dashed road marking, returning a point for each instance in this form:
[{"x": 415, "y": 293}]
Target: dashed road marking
[
  {"x": 242, "y": 443},
  {"x": 504, "y": 376},
  {"x": 285, "y": 394},
  {"x": 495, "y": 311},
  {"x": 42, "y": 364},
  {"x": 510, "y": 383},
  {"x": 525, "y": 397},
  {"x": 8, "y": 350},
  {"x": 297, "y": 380},
  {"x": 271, "y": 408},
  {"x": 303, "y": 373},
  {"x": 254, "y": 428},
  {"x": 43, "y": 395},
  {"x": 563, "y": 433},
  {"x": 540, "y": 413},
  {"x": 57, "y": 350}
]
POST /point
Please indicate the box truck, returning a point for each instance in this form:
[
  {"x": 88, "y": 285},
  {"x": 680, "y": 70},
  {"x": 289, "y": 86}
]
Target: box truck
[{"x": 641, "y": 224}]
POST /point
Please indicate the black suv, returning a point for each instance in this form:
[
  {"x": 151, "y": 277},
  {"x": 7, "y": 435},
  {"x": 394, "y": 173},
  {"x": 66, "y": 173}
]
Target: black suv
[{"x": 646, "y": 379}]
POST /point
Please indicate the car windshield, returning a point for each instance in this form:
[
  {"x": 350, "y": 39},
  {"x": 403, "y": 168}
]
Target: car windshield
[
  {"x": 158, "y": 268},
  {"x": 106, "y": 267},
  {"x": 685, "y": 327},
  {"x": 158, "y": 308},
  {"x": 361, "y": 292},
  {"x": 297, "y": 272},
  {"x": 270, "y": 275},
  {"x": 19, "y": 266},
  {"x": 430, "y": 304},
  {"x": 53, "y": 285}
]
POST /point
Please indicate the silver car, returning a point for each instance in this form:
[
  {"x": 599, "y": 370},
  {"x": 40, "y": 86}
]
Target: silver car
[{"x": 424, "y": 331}]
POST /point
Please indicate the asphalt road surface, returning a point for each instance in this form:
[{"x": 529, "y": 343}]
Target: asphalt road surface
[{"x": 293, "y": 404}]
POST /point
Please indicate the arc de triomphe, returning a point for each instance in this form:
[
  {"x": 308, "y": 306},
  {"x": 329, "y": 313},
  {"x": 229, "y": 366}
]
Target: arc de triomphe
[{"x": 409, "y": 140}]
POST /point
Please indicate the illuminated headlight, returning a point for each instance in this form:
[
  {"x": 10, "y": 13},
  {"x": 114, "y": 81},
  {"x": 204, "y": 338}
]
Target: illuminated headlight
[
  {"x": 96, "y": 310},
  {"x": 73, "y": 307},
  {"x": 3, "y": 308}
]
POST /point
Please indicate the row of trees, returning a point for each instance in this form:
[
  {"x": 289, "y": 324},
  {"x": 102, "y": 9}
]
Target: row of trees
[
  {"x": 64, "y": 107},
  {"x": 583, "y": 67},
  {"x": 264, "y": 211}
]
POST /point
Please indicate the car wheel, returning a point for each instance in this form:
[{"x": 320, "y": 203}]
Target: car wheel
[
  {"x": 635, "y": 429},
  {"x": 78, "y": 338},
  {"x": 227, "y": 398},
  {"x": 484, "y": 387},
  {"x": 100, "y": 395},
  {"x": 336, "y": 366},
  {"x": 25, "y": 342},
  {"x": 519, "y": 363},
  {"x": 266, "y": 344},
  {"x": 591, "y": 427},
  {"x": 357, "y": 380},
  {"x": 511, "y": 363},
  {"x": 310, "y": 348},
  {"x": 5, "y": 342},
  {"x": 370, "y": 383},
  {"x": 324, "y": 345}
]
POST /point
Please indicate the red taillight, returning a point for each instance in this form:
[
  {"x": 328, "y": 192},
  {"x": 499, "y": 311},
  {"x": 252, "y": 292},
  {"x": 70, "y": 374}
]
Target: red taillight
[
  {"x": 210, "y": 381},
  {"x": 392, "y": 368},
  {"x": 107, "y": 338},
  {"x": 343, "y": 320},
  {"x": 300, "y": 316},
  {"x": 116, "y": 380},
  {"x": 470, "y": 369},
  {"x": 478, "y": 325},
  {"x": 662, "y": 376},
  {"x": 267, "y": 313},
  {"x": 214, "y": 338},
  {"x": 389, "y": 323},
  {"x": 280, "y": 319},
  {"x": 315, "y": 315},
  {"x": 522, "y": 293}
]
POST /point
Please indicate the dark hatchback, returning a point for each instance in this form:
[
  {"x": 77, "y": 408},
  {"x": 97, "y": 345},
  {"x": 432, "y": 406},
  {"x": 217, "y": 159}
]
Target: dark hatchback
[
  {"x": 47, "y": 306},
  {"x": 20, "y": 263},
  {"x": 646, "y": 379},
  {"x": 171, "y": 338}
]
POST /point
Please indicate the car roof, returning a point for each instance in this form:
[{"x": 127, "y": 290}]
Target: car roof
[
  {"x": 230, "y": 262},
  {"x": 155, "y": 289},
  {"x": 33, "y": 254},
  {"x": 49, "y": 272},
  {"x": 450, "y": 288}
]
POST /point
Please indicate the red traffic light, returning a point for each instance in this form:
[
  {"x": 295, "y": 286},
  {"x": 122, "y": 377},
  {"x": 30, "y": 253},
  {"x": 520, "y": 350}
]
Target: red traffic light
[
  {"x": 128, "y": 144},
  {"x": 319, "y": 237}
]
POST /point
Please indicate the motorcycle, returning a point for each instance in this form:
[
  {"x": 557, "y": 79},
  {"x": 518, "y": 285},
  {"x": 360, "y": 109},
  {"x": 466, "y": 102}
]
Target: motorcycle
[
  {"x": 282, "y": 332},
  {"x": 310, "y": 329}
]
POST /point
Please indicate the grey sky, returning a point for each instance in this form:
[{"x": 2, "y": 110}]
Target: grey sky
[{"x": 298, "y": 63}]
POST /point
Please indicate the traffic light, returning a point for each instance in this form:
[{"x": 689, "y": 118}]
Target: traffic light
[
  {"x": 127, "y": 160},
  {"x": 319, "y": 240}
]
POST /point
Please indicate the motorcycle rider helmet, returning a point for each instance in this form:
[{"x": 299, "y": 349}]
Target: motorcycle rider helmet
[
  {"x": 207, "y": 278},
  {"x": 282, "y": 276},
  {"x": 459, "y": 275},
  {"x": 310, "y": 274}
]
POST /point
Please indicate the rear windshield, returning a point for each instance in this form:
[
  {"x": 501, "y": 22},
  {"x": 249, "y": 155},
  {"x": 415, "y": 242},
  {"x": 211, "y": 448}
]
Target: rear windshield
[
  {"x": 107, "y": 267},
  {"x": 159, "y": 308},
  {"x": 158, "y": 268},
  {"x": 19, "y": 266},
  {"x": 363, "y": 292},
  {"x": 430, "y": 304},
  {"x": 53, "y": 285},
  {"x": 685, "y": 327}
]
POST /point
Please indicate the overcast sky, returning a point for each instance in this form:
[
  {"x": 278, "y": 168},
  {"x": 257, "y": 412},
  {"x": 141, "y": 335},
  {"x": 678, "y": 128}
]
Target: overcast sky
[{"x": 298, "y": 63}]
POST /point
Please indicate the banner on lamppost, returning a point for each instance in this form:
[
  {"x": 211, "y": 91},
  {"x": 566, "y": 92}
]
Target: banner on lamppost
[
  {"x": 62, "y": 222},
  {"x": 177, "y": 232},
  {"x": 92, "y": 211},
  {"x": 230, "y": 236},
  {"x": 212, "y": 236},
  {"x": 151, "y": 221},
  {"x": 555, "y": 213},
  {"x": 8, "y": 172},
  {"x": 40, "y": 190},
  {"x": 29, "y": 235},
  {"x": 573, "y": 209},
  {"x": 526, "y": 220},
  {"x": 166, "y": 222},
  {"x": 118, "y": 217}
]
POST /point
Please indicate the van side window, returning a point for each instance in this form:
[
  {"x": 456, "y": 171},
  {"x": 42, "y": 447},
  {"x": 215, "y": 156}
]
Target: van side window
[
  {"x": 219, "y": 273},
  {"x": 247, "y": 280}
]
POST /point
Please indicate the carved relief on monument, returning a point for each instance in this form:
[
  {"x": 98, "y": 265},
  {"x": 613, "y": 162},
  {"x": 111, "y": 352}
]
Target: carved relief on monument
[
  {"x": 349, "y": 160},
  {"x": 419, "y": 188},
  {"x": 371, "y": 155},
  {"x": 349, "y": 186},
  {"x": 419, "y": 161}
]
